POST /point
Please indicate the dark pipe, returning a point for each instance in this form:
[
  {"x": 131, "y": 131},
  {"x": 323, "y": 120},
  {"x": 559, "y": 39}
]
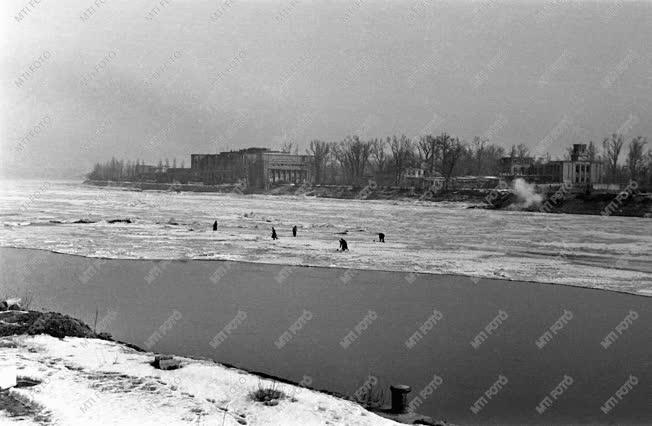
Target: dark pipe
[{"x": 399, "y": 398}]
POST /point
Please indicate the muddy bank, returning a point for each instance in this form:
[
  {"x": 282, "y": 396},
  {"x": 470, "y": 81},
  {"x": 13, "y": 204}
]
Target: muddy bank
[
  {"x": 55, "y": 324},
  {"x": 51, "y": 323},
  {"x": 346, "y": 192},
  {"x": 604, "y": 204},
  {"x": 639, "y": 205}
]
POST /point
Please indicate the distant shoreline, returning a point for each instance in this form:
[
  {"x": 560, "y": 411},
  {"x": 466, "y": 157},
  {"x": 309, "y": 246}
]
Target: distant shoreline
[{"x": 636, "y": 205}]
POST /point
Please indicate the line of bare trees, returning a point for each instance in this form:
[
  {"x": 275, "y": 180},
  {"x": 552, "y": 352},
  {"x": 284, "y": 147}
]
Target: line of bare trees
[
  {"x": 126, "y": 170},
  {"x": 353, "y": 161},
  {"x": 115, "y": 170},
  {"x": 637, "y": 165},
  {"x": 386, "y": 160}
]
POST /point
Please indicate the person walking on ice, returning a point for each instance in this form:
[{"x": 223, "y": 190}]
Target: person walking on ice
[
  {"x": 274, "y": 236},
  {"x": 343, "y": 246},
  {"x": 294, "y": 231}
]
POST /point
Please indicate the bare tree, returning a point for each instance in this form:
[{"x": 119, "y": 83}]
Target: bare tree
[
  {"x": 466, "y": 163},
  {"x": 112, "y": 170},
  {"x": 479, "y": 152},
  {"x": 129, "y": 169},
  {"x": 612, "y": 147},
  {"x": 319, "y": 150},
  {"x": 522, "y": 151},
  {"x": 333, "y": 164},
  {"x": 648, "y": 168},
  {"x": 379, "y": 155},
  {"x": 450, "y": 150},
  {"x": 493, "y": 155},
  {"x": 427, "y": 152},
  {"x": 353, "y": 154},
  {"x": 635, "y": 157},
  {"x": 402, "y": 152}
]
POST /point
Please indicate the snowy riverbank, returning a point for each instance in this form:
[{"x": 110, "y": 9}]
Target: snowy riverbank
[{"x": 80, "y": 381}]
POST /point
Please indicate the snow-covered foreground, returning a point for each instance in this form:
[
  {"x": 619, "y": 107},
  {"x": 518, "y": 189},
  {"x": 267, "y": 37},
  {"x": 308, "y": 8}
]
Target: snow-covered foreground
[
  {"x": 89, "y": 381},
  {"x": 592, "y": 251}
]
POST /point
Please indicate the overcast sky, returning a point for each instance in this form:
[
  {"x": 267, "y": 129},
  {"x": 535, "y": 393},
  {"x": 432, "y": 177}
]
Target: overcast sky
[{"x": 193, "y": 77}]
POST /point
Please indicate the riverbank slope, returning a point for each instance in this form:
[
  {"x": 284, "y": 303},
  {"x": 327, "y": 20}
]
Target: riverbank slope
[{"x": 83, "y": 380}]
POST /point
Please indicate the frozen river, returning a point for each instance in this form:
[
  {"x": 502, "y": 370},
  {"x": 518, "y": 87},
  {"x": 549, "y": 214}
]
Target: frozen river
[{"x": 612, "y": 253}]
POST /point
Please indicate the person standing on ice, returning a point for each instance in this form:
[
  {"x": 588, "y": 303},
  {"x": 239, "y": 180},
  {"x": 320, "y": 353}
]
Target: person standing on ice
[
  {"x": 274, "y": 236},
  {"x": 294, "y": 231},
  {"x": 381, "y": 237},
  {"x": 343, "y": 246},
  {"x": 215, "y": 226}
]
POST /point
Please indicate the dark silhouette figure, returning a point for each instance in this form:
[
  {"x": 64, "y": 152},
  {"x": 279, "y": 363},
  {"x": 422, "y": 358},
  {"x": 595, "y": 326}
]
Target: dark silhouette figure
[
  {"x": 343, "y": 245},
  {"x": 381, "y": 237},
  {"x": 274, "y": 236},
  {"x": 215, "y": 226},
  {"x": 294, "y": 231}
]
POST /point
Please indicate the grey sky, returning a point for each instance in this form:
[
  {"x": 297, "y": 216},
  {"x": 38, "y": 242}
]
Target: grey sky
[{"x": 207, "y": 76}]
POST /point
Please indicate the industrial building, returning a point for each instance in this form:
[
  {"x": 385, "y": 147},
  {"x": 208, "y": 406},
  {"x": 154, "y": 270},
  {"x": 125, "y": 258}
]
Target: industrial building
[
  {"x": 579, "y": 170},
  {"x": 254, "y": 167}
]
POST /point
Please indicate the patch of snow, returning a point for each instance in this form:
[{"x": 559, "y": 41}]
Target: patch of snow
[{"x": 89, "y": 381}]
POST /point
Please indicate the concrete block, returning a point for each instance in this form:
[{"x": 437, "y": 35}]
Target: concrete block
[
  {"x": 169, "y": 364},
  {"x": 158, "y": 358},
  {"x": 166, "y": 362}
]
